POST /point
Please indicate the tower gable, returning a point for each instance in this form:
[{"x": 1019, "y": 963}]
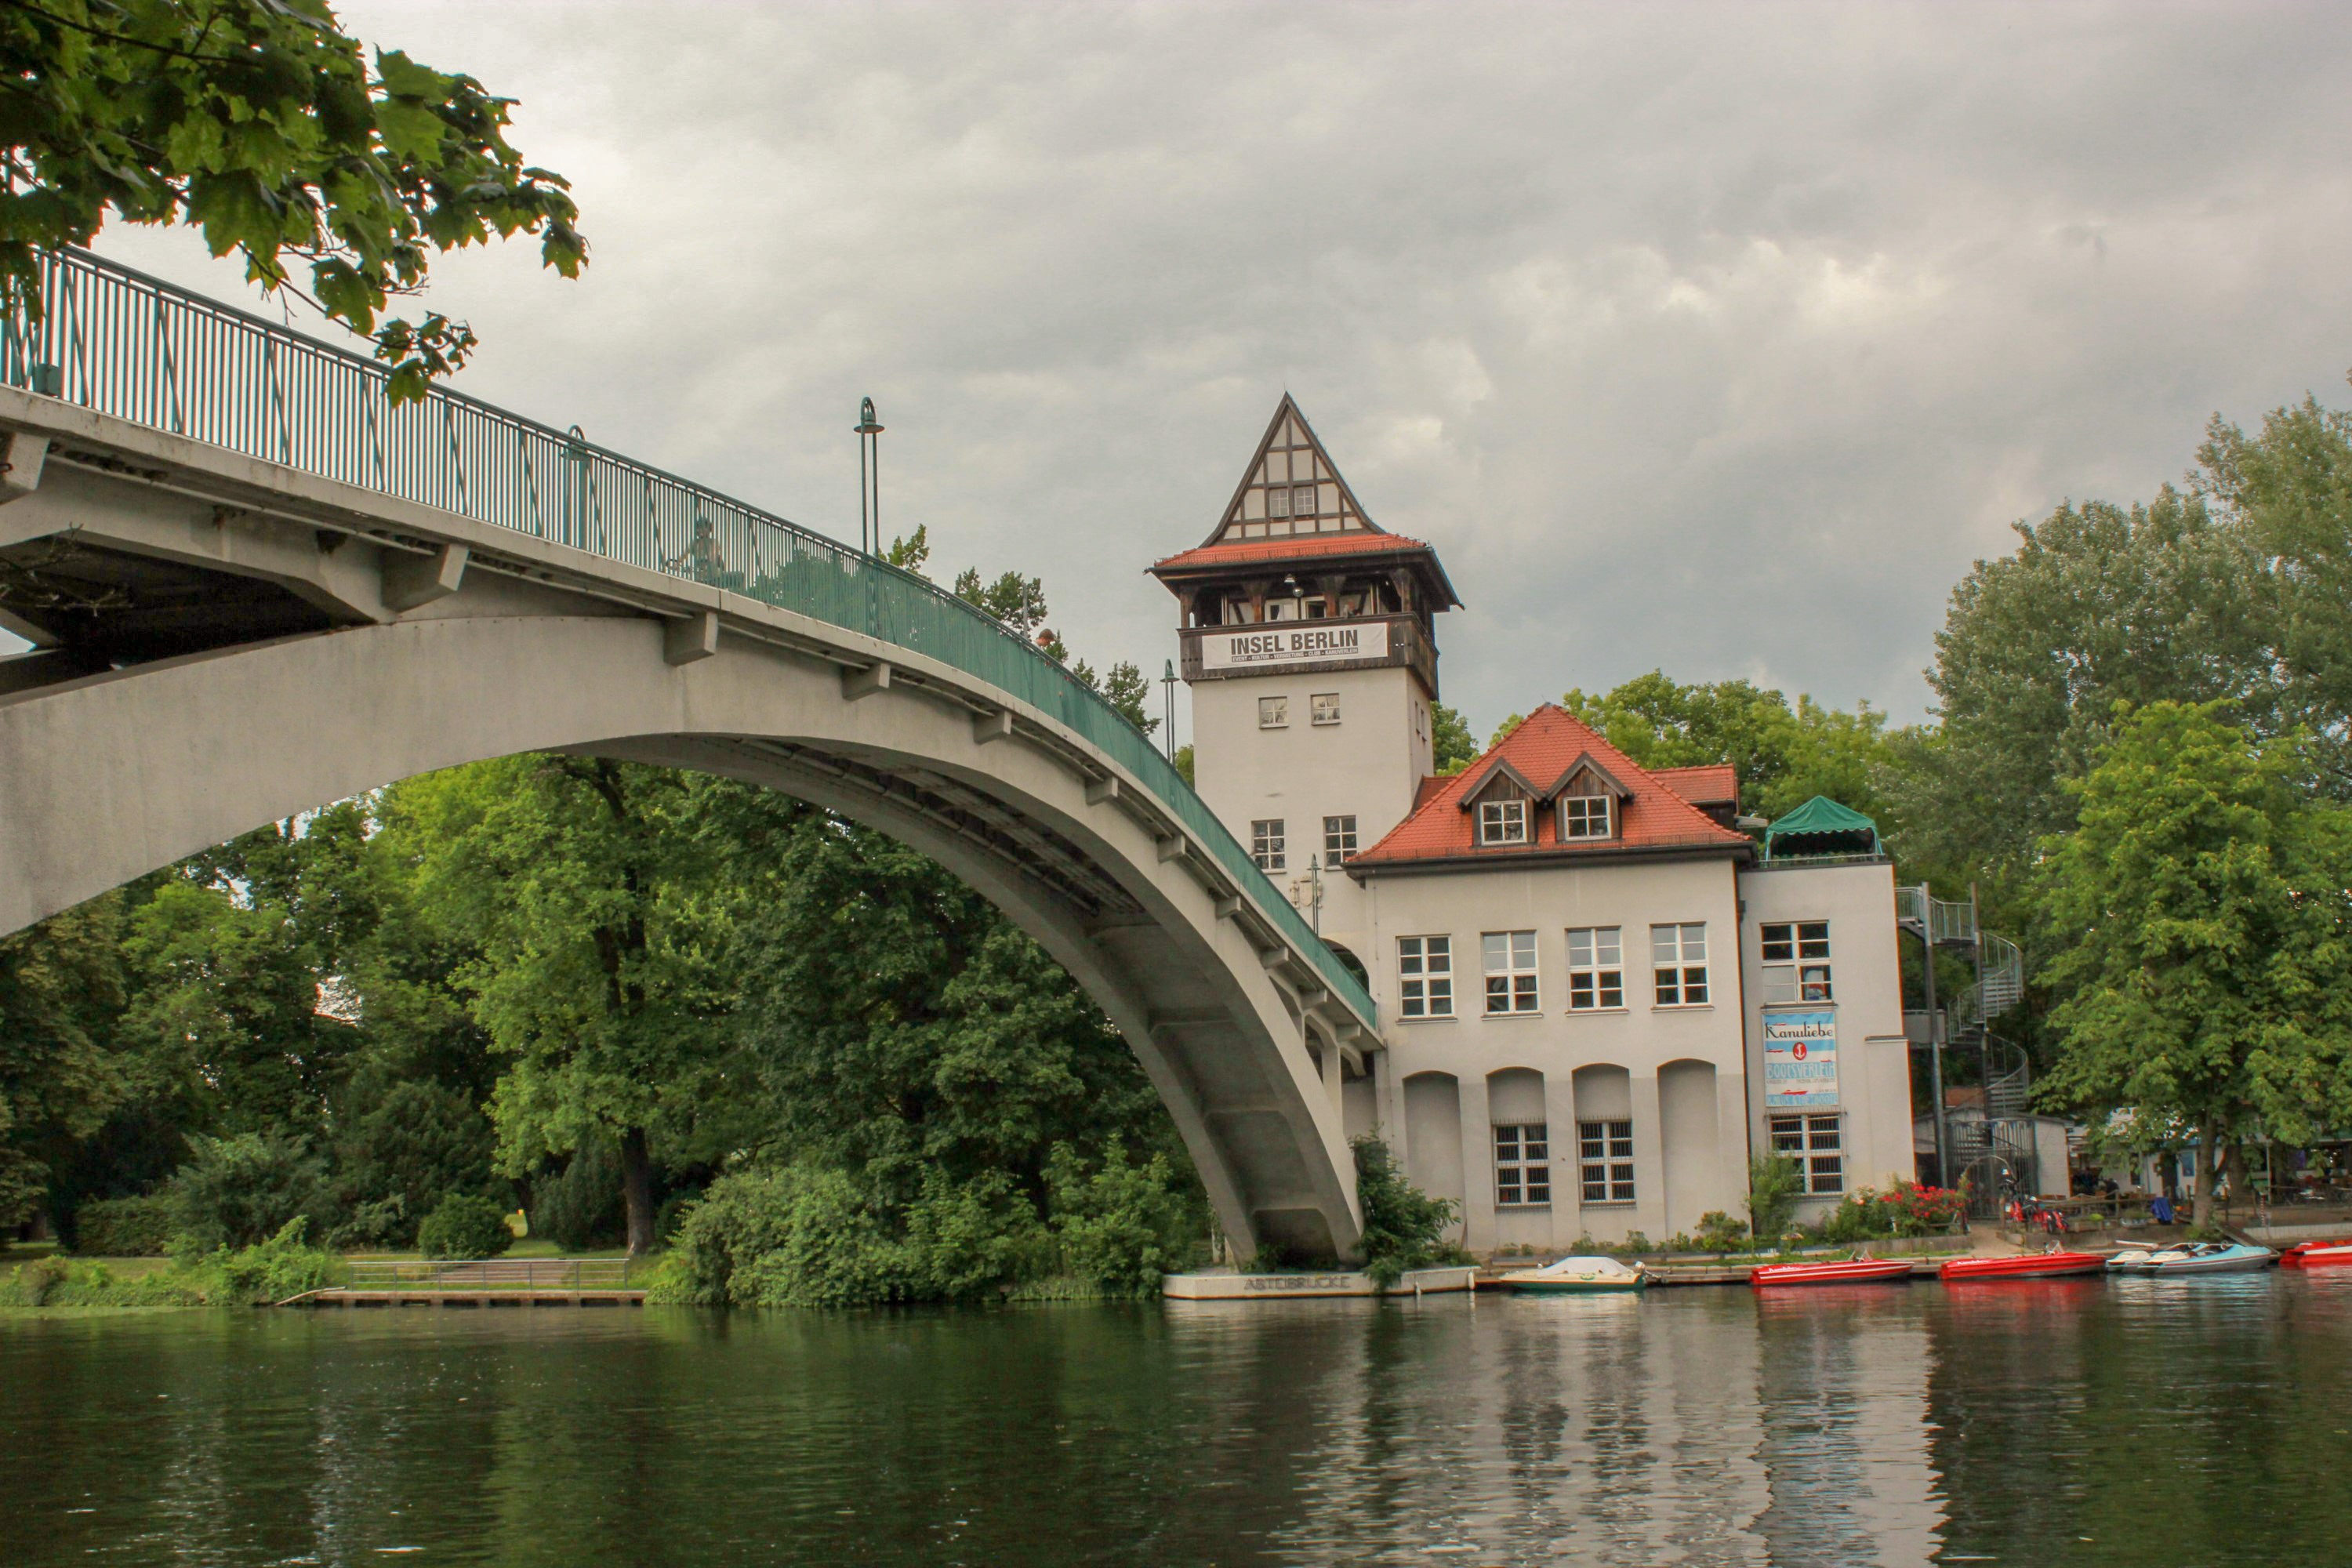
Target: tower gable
[{"x": 1290, "y": 489}]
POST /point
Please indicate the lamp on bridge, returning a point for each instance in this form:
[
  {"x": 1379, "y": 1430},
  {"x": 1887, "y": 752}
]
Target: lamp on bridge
[
  {"x": 869, "y": 477},
  {"x": 1168, "y": 691}
]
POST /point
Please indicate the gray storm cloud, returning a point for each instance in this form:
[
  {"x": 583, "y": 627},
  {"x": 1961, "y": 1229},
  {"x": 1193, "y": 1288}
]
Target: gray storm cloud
[{"x": 1719, "y": 338}]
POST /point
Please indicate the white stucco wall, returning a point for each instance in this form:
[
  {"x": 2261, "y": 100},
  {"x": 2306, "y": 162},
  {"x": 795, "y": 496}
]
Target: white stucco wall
[
  {"x": 1874, "y": 1084},
  {"x": 1689, "y": 1122}
]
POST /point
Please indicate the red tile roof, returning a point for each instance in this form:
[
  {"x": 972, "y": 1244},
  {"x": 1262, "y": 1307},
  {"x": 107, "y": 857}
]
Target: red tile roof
[
  {"x": 1710, "y": 783},
  {"x": 1358, "y": 543},
  {"x": 1542, "y": 748}
]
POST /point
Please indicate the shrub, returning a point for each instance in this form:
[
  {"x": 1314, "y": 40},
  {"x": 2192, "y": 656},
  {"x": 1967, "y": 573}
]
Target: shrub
[
  {"x": 271, "y": 1270},
  {"x": 1636, "y": 1242},
  {"x": 81, "y": 1282},
  {"x": 581, "y": 1205},
  {"x": 1719, "y": 1232},
  {"x": 1122, "y": 1226},
  {"x": 791, "y": 1237},
  {"x": 1774, "y": 1184},
  {"x": 1908, "y": 1209},
  {"x": 237, "y": 1192},
  {"x": 124, "y": 1227},
  {"x": 465, "y": 1225},
  {"x": 1404, "y": 1227}
]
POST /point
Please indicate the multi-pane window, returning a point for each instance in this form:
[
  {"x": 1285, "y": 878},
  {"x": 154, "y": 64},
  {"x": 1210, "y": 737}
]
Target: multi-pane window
[
  {"x": 1604, "y": 1158},
  {"x": 1813, "y": 1143},
  {"x": 1678, "y": 962},
  {"x": 1510, "y": 958},
  {"x": 1265, "y": 843},
  {"x": 1503, "y": 821},
  {"x": 1584, "y": 816},
  {"x": 1596, "y": 968},
  {"x": 1522, "y": 1165},
  {"x": 1277, "y": 500},
  {"x": 1273, "y": 713},
  {"x": 1795, "y": 961},
  {"x": 1302, "y": 500},
  {"x": 1425, "y": 976},
  {"x": 1338, "y": 840},
  {"x": 1325, "y": 706}
]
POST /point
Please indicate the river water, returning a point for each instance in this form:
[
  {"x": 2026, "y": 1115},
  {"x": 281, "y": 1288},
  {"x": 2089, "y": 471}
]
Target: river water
[{"x": 2067, "y": 1422}]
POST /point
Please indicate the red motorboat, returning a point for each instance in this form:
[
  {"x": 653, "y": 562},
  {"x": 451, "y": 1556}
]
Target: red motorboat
[
  {"x": 1854, "y": 1272},
  {"x": 2025, "y": 1265},
  {"x": 2316, "y": 1254}
]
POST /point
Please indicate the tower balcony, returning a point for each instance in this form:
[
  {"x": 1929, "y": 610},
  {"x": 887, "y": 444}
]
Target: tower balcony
[{"x": 1310, "y": 647}]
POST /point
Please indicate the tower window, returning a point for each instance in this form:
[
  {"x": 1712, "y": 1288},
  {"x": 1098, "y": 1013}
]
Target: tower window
[
  {"x": 1277, "y": 500},
  {"x": 1302, "y": 500},
  {"x": 1266, "y": 844},
  {"x": 1273, "y": 713},
  {"x": 1797, "y": 960},
  {"x": 1325, "y": 707}
]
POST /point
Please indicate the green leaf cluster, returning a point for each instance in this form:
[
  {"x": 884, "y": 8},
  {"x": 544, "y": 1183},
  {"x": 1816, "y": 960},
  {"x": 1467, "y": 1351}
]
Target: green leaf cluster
[{"x": 264, "y": 126}]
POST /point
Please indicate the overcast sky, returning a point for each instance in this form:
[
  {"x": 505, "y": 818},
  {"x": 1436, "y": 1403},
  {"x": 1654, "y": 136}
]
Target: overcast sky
[{"x": 1719, "y": 339}]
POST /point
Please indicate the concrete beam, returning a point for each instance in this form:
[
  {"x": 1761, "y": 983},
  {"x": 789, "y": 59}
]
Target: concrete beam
[
  {"x": 866, "y": 682},
  {"x": 20, "y": 464},
  {"x": 1170, "y": 846},
  {"x": 1101, "y": 789},
  {"x": 695, "y": 638},
  {"x": 1228, "y": 906},
  {"x": 411, "y": 581},
  {"x": 990, "y": 726}
]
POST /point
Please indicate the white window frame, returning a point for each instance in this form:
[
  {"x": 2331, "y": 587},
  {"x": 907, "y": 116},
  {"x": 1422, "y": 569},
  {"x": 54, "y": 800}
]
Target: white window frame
[
  {"x": 1795, "y": 961},
  {"x": 1272, "y": 491},
  {"x": 1815, "y": 1141},
  {"x": 1323, "y": 708},
  {"x": 1517, "y": 971},
  {"x": 1425, "y": 976},
  {"x": 1266, "y": 841},
  {"x": 1503, "y": 821},
  {"x": 1522, "y": 1165},
  {"x": 1576, "y": 825},
  {"x": 1604, "y": 1163},
  {"x": 1596, "y": 969},
  {"x": 1314, "y": 501},
  {"x": 1678, "y": 965},
  {"x": 1274, "y": 712},
  {"x": 1339, "y": 840}
]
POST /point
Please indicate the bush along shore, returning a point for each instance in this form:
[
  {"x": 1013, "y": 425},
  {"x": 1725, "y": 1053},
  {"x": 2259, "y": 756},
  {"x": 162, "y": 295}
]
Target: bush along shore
[{"x": 259, "y": 1275}]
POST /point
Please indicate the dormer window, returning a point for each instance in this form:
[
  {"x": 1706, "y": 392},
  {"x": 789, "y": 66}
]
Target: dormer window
[
  {"x": 1503, "y": 821},
  {"x": 1587, "y": 817}
]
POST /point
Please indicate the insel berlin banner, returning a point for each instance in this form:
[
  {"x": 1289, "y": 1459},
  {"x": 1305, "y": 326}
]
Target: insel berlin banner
[
  {"x": 1800, "y": 1060},
  {"x": 1295, "y": 642}
]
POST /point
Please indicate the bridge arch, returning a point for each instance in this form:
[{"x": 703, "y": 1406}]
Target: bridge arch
[{"x": 261, "y": 621}]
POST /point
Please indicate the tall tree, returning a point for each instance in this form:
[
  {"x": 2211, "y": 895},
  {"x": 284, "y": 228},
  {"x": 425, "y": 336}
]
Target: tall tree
[
  {"x": 2098, "y": 605},
  {"x": 61, "y": 985},
  {"x": 262, "y": 124},
  {"x": 587, "y": 894},
  {"x": 2203, "y": 902},
  {"x": 1785, "y": 755}
]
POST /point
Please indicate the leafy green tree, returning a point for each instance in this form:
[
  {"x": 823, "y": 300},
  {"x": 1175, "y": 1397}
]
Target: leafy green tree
[
  {"x": 1785, "y": 755},
  {"x": 2098, "y": 605},
  {"x": 261, "y": 123},
  {"x": 61, "y": 1074},
  {"x": 2288, "y": 489},
  {"x": 1121, "y": 1223},
  {"x": 2203, "y": 902},
  {"x": 1453, "y": 746},
  {"x": 1183, "y": 759},
  {"x": 1404, "y": 1227},
  {"x": 585, "y": 887}
]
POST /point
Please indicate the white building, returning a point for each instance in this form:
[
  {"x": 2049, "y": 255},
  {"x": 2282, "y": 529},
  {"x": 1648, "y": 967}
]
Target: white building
[{"x": 1598, "y": 997}]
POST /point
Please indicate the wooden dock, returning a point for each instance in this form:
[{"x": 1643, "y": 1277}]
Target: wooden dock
[
  {"x": 460, "y": 1297},
  {"x": 480, "y": 1283}
]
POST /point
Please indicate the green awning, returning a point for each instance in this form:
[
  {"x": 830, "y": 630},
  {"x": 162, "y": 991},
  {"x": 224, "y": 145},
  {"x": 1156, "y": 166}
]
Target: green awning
[{"x": 1822, "y": 826}]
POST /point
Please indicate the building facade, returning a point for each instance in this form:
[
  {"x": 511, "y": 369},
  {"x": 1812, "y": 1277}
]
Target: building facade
[{"x": 1599, "y": 998}]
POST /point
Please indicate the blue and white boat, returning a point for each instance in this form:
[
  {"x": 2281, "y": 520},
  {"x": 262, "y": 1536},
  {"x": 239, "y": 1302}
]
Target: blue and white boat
[{"x": 2193, "y": 1257}]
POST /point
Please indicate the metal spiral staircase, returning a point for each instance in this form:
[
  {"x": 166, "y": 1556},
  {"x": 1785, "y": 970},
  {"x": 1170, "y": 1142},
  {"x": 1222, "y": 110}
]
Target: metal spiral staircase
[{"x": 1997, "y": 1148}]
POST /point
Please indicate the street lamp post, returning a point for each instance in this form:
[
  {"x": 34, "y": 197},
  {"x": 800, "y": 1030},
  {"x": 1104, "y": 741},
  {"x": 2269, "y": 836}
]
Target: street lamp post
[
  {"x": 1168, "y": 690},
  {"x": 869, "y": 477}
]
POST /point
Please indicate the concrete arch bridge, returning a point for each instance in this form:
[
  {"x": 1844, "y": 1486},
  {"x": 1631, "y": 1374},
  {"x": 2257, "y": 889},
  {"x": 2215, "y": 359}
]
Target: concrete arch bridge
[{"x": 254, "y": 586}]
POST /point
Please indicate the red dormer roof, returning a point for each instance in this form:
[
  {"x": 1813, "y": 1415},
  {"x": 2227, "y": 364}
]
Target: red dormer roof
[{"x": 1547, "y": 747}]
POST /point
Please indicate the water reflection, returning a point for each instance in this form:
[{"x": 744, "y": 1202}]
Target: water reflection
[{"x": 2060, "y": 1422}]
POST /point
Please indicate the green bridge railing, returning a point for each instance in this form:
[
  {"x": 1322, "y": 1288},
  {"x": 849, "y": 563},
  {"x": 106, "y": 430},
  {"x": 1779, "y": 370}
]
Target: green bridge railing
[{"x": 138, "y": 349}]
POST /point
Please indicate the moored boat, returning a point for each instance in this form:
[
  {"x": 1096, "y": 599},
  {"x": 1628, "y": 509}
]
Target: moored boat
[
  {"x": 1573, "y": 1276},
  {"x": 2025, "y": 1265},
  {"x": 1852, "y": 1271},
  {"x": 2199, "y": 1258},
  {"x": 2316, "y": 1254}
]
